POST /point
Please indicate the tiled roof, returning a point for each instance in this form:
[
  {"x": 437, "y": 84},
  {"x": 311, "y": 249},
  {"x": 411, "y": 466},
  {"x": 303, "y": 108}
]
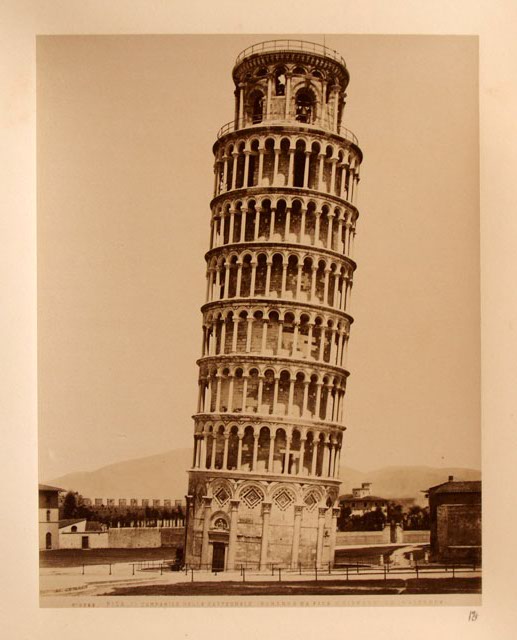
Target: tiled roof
[
  {"x": 469, "y": 486},
  {"x": 47, "y": 487},
  {"x": 69, "y": 521}
]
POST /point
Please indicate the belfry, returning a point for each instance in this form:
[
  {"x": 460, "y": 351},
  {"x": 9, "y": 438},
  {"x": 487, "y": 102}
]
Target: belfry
[{"x": 264, "y": 484}]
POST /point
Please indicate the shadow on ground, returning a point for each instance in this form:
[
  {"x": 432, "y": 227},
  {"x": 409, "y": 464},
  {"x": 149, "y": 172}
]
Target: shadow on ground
[{"x": 310, "y": 588}]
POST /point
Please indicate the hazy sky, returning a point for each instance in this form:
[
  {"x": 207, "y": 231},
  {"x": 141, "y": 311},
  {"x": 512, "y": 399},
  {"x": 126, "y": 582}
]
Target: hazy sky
[{"x": 125, "y": 130}]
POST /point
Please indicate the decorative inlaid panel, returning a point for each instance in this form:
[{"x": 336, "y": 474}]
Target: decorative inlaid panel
[
  {"x": 311, "y": 500},
  {"x": 222, "y": 496},
  {"x": 252, "y": 497},
  {"x": 283, "y": 499}
]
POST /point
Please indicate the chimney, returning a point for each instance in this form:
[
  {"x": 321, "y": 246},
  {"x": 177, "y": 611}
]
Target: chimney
[{"x": 451, "y": 478}]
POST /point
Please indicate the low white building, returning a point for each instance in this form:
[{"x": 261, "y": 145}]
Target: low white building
[
  {"x": 360, "y": 501},
  {"x": 81, "y": 534}
]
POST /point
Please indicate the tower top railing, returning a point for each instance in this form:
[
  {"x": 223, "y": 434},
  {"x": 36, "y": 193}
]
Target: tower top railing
[
  {"x": 270, "y": 46},
  {"x": 234, "y": 125}
]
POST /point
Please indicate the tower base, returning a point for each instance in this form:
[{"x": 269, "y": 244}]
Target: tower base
[{"x": 259, "y": 523}]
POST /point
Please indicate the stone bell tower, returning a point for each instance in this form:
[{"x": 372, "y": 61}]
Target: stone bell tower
[{"x": 263, "y": 486}]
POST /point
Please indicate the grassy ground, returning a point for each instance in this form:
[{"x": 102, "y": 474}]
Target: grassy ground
[
  {"x": 330, "y": 587},
  {"x": 364, "y": 552},
  {"x": 77, "y": 557}
]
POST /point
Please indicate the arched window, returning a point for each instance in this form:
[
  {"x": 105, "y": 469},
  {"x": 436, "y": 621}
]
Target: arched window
[
  {"x": 280, "y": 81},
  {"x": 74, "y": 529},
  {"x": 48, "y": 540},
  {"x": 256, "y": 106},
  {"x": 48, "y": 515},
  {"x": 305, "y": 106}
]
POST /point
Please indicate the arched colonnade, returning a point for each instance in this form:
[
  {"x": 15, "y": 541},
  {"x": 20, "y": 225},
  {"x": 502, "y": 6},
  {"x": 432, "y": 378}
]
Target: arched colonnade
[
  {"x": 269, "y": 333},
  {"x": 286, "y": 275},
  {"x": 283, "y": 161},
  {"x": 268, "y": 449},
  {"x": 266, "y": 390},
  {"x": 280, "y": 220}
]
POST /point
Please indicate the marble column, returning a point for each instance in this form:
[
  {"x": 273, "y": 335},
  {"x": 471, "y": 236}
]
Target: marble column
[
  {"x": 272, "y": 224},
  {"x": 239, "y": 280},
  {"x": 246, "y": 169},
  {"x": 207, "y": 512},
  {"x": 275, "y": 395},
  {"x": 225, "y": 452},
  {"x": 326, "y": 454},
  {"x": 223, "y": 337},
  {"x": 244, "y": 393},
  {"x": 302, "y": 454},
  {"x": 271, "y": 453},
  {"x": 319, "y": 543},
  {"x": 243, "y": 224},
  {"x": 290, "y": 174},
  {"x": 333, "y": 532},
  {"x": 266, "y": 513},
  {"x": 255, "y": 451},
  {"x": 253, "y": 277},
  {"x": 314, "y": 456},
  {"x": 232, "y": 225},
  {"x": 287, "y": 229},
  {"x": 287, "y": 453},
  {"x": 236, "y": 321},
  {"x": 318, "y": 400},
  {"x": 298, "y": 510},
  {"x": 235, "y": 155},
  {"x": 202, "y": 452},
  {"x": 306, "y": 170},
  {"x": 214, "y": 444},
  {"x": 320, "y": 172},
  {"x": 232, "y": 542},
  {"x": 239, "y": 451},
  {"x": 284, "y": 280}
]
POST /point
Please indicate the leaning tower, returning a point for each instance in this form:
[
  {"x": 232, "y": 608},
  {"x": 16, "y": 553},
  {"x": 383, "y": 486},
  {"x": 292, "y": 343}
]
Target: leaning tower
[{"x": 263, "y": 486}]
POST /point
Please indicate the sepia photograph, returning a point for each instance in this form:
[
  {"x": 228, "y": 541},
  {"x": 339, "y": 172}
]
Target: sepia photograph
[{"x": 259, "y": 358}]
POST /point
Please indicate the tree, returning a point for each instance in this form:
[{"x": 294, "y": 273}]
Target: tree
[
  {"x": 374, "y": 520},
  {"x": 343, "y": 518},
  {"x": 417, "y": 518},
  {"x": 395, "y": 513},
  {"x": 70, "y": 505},
  {"x": 74, "y": 507}
]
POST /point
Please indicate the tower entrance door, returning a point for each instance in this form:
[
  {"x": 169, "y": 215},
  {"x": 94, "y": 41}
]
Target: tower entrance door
[{"x": 218, "y": 556}]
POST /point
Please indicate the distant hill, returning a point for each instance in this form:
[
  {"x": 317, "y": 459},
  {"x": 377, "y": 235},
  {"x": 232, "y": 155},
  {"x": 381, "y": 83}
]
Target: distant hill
[
  {"x": 165, "y": 476},
  {"x": 160, "y": 476}
]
